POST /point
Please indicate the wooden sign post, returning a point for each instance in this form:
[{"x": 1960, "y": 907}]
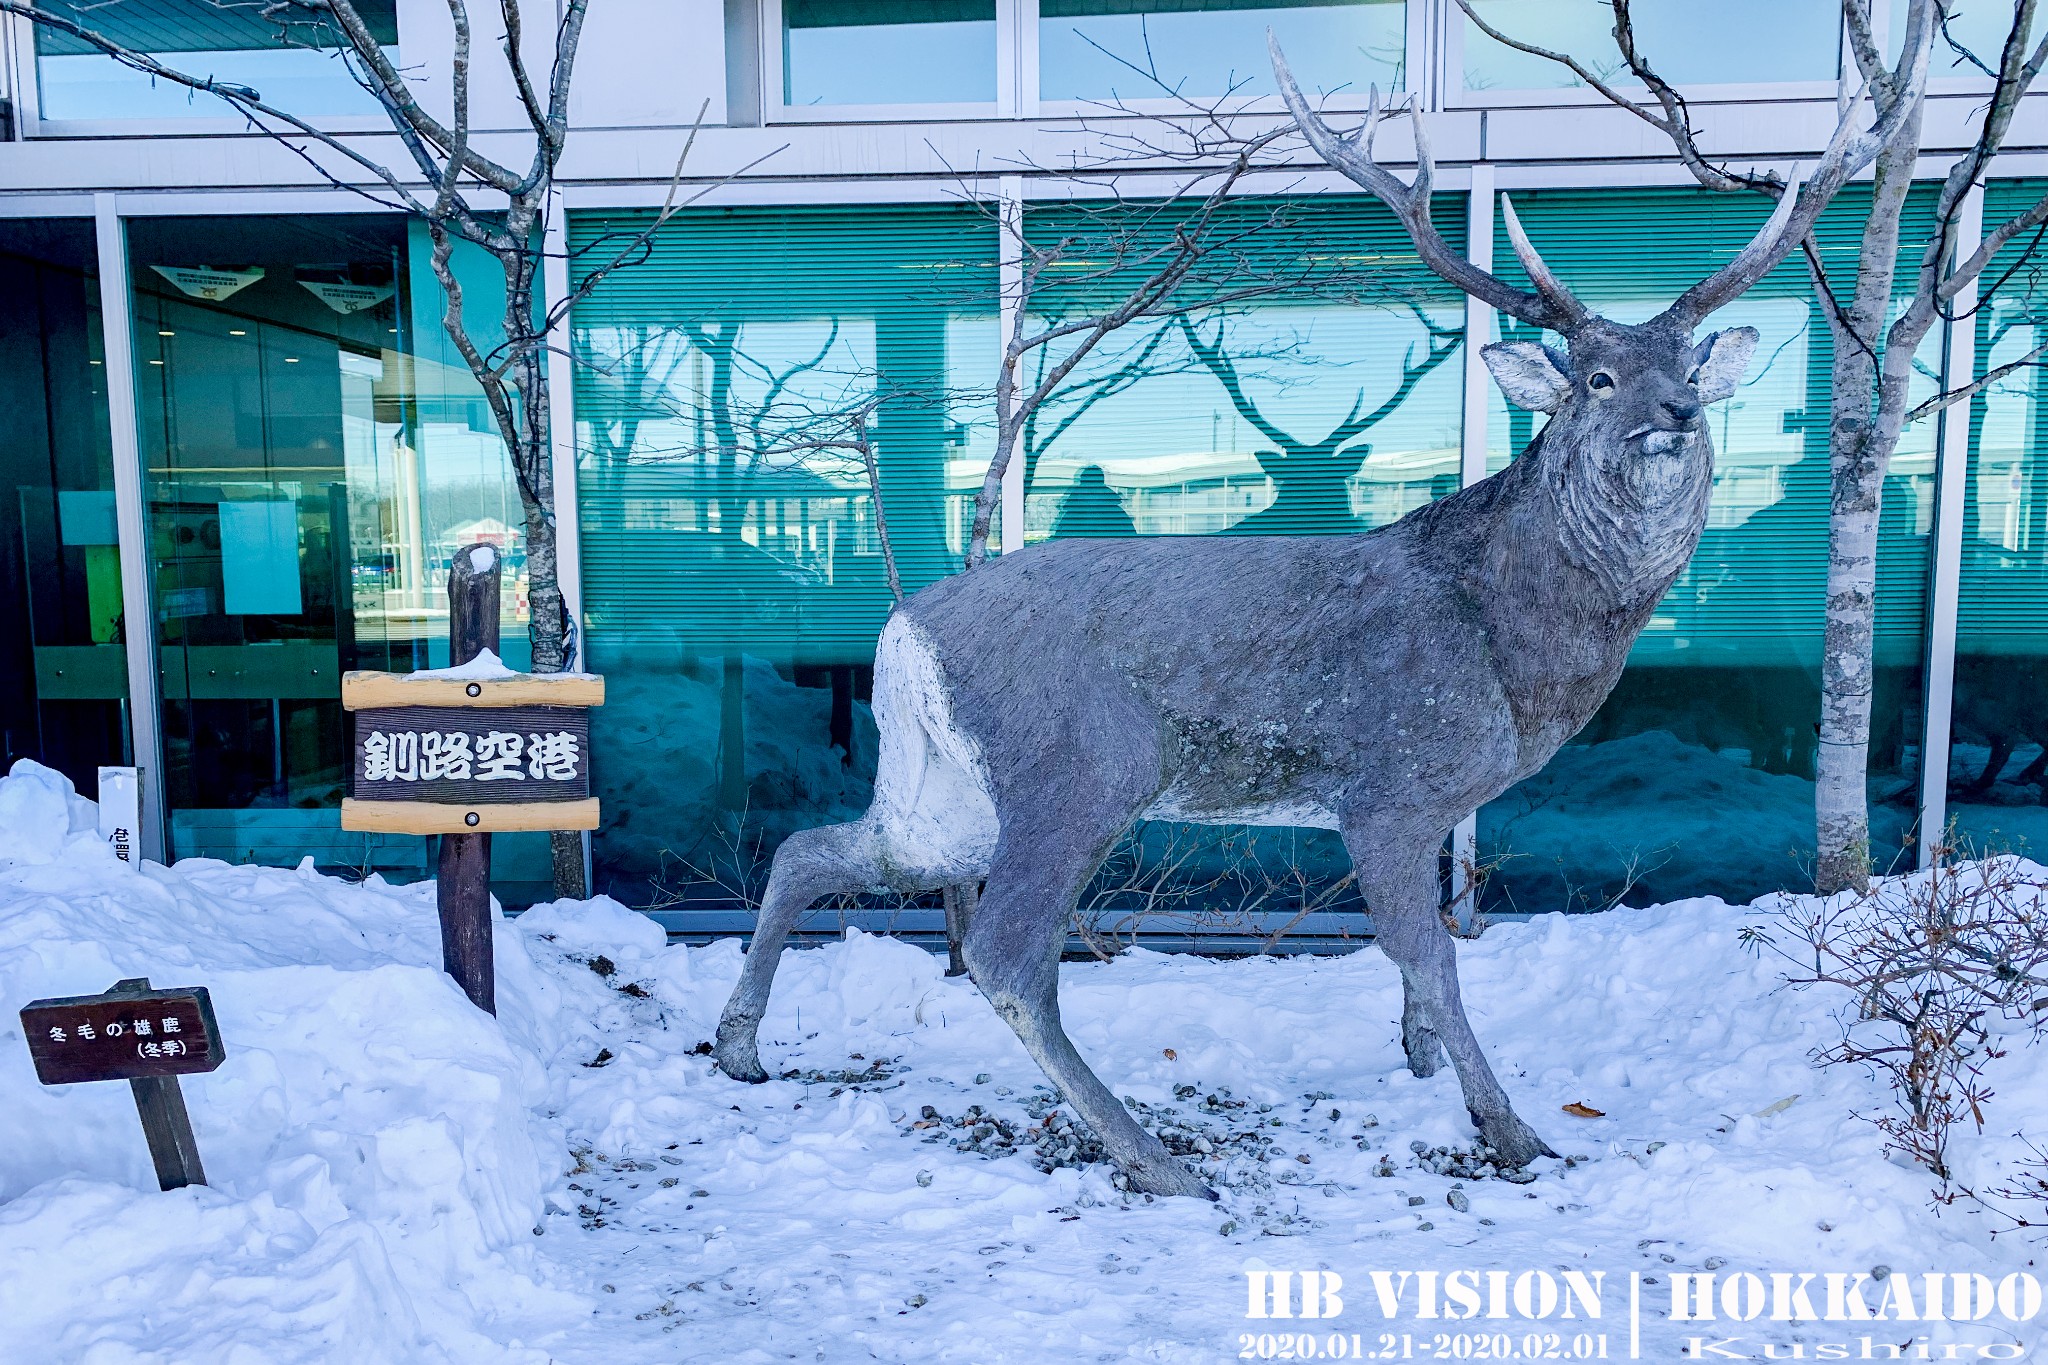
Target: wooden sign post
[
  {"x": 148, "y": 1038},
  {"x": 462, "y": 756}
]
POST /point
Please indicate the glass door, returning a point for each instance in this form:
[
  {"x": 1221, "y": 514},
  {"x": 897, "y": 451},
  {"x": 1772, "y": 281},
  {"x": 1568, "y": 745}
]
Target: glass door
[
  {"x": 307, "y": 471},
  {"x": 63, "y": 670}
]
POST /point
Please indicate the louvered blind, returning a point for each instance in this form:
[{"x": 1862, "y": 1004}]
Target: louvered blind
[
  {"x": 199, "y": 26},
  {"x": 1755, "y": 592},
  {"x": 1329, "y": 404},
  {"x": 2004, "y": 604},
  {"x": 727, "y": 383}
]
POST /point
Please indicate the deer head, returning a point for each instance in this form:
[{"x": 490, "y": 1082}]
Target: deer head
[{"x": 1626, "y": 448}]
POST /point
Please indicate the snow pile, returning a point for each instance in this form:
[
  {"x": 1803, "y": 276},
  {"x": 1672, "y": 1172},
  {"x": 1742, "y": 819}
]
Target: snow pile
[
  {"x": 381, "y": 1153},
  {"x": 1575, "y": 836},
  {"x": 41, "y": 816},
  {"x": 375, "y": 1169}
]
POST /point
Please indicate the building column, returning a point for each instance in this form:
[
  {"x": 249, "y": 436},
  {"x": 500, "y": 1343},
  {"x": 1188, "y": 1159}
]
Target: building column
[
  {"x": 1471, "y": 469},
  {"x": 561, "y": 372},
  {"x": 138, "y": 613},
  {"x": 1951, "y": 490}
]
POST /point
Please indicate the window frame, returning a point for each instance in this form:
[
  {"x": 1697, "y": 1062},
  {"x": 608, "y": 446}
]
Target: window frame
[
  {"x": 775, "y": 81},
  {"x": 24, "y": 82}
]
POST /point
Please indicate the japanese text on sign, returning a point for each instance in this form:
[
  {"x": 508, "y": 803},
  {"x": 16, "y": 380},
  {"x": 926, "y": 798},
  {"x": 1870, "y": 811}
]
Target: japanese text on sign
[
  {"x": 122, "y": 1034},
  {"x": 494, "y": 756}
]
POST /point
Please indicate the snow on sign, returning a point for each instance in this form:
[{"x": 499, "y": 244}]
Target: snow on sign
[
  {"x": 470, "y": 750},
  {"x": 122, "y": 1035}
]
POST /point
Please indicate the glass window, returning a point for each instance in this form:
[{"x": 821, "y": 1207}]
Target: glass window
[
  {"x": 1687, "y": 43},
  {"x": 296, "y": 66},
  {"x": 63, "y": 668},
  {"x": 1149, "y": 49},
  {"x": 1974, "y": 38},
  {"x": 1696, "y": 776},
  {"x": 312, "y": 456},
  {"x": 1998, "y": 763},
  {"x": 735, "y": 579},
  {"x": 888, "y": 52}
]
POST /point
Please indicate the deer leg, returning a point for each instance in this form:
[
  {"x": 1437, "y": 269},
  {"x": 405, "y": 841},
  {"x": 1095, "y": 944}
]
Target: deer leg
[
  {"x": 1401, "y": 893},
  {"x": 959, "y": 898},
  {"x": 1013, "y": 952},
  {"x": 2001, "y": 751},
  {"x": 811, "y": 864},
  {"x": 1425, "y": 1050}
]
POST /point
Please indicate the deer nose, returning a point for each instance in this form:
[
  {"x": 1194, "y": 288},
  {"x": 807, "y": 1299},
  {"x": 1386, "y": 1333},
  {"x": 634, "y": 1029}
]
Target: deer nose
[{"x": 1682, "y": 412}]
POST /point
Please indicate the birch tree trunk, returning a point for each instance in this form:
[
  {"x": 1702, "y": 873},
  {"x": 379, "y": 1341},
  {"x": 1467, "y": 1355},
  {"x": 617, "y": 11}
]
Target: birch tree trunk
[{"x": 1861, "y": 438}]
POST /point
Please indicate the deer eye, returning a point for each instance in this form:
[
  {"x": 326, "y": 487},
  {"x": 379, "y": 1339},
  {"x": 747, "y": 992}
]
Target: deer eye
[
  {"x": 1601, "y": 383},
  {"x": 1693, "y": 378}
]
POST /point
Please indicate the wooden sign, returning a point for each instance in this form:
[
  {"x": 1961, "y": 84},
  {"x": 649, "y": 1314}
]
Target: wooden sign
[
  {"x": 120, "y": 1035},
  {"x": 442, "y": 755},
  {"x": 146, "y": 1037}
]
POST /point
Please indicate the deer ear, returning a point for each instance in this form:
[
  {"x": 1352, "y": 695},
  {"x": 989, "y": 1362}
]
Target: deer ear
[
  {"x": 1530, "y": 375},
  {"x": 1722, "y": 358}
]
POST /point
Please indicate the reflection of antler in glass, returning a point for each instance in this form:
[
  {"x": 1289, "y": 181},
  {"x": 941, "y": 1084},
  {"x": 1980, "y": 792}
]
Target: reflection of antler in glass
[{"x": 1311, "y": 477}]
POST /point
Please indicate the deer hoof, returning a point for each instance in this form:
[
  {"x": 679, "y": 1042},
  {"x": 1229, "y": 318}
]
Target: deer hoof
[
  {"x": 735, "y": 1053},
  {"x": 1425, "y": 1051},
  {"x": 1168, "y": 1178},
  {"x": 1515, "y": 1140}
]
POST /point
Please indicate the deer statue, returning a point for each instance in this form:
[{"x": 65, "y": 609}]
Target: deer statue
[{"x": 1381, "y": 685}]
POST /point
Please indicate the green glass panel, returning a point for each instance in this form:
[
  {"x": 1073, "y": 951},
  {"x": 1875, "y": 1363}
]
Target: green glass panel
[
  {"x": 312, "y": 455},
  {"x": 1998, "y": 800},
  {"x": 1685, "y": 42},
  {"x": 734, "y": 580},
  {"x": 1696, "y": 777},
  {"x": 1161, "y": 49},
  {"x": 1327, "y": 408},
  {"x": 63, "y": 669},
  {"x": 1330, "y": 406},
  {"x": 733, "y": 583}
]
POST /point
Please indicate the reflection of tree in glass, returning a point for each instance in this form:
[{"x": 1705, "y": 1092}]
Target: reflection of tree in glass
[
  {"x": 1072, "y": 400},
  {"x": 753, "y": 438},
  {"x": 1312, "y": 478}
]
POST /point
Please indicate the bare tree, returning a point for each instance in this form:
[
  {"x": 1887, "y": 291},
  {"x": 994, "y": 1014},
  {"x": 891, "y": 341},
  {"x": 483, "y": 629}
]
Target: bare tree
[
  {"x": 462, "y": 195},
  {"x": 1941, "y": 973},
  {"x": 1873, "y": 364}
]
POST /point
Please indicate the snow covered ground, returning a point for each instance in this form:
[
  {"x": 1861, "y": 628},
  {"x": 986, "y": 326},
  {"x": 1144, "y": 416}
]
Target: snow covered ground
[{"x": 396, "y": 1177}]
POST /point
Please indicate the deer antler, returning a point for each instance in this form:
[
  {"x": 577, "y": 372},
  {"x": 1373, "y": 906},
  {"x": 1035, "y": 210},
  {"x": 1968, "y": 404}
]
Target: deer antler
[
  {"x": 1800, "y": 206},
  {"x": 1540, "y": 275},
  {"x": 1352, "y": 157}
]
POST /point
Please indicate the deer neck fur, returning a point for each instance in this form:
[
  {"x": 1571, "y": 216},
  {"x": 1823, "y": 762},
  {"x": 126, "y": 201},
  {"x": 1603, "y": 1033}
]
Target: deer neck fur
[
  {"x": 1567, "y": 553},
  {"x": 1630, "y": 520}
]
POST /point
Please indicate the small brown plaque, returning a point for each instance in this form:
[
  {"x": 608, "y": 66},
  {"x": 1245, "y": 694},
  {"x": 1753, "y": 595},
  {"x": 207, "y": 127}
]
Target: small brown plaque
[{"x": 122, "y": 1035}]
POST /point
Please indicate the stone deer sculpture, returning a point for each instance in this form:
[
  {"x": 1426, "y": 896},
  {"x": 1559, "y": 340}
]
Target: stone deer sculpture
[{"x": 1381, "y": 685}]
